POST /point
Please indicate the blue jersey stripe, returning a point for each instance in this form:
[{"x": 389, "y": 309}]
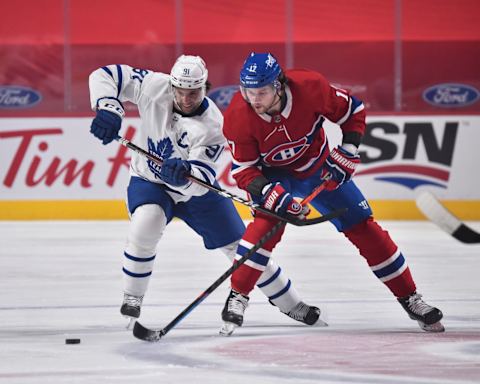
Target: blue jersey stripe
[
  {"x": 355, "y": 103},
  {"x": 205, "y": 176},
  {"x": 203, "y": 165},
  {"x": 106, "y": 69},
  {"x": 120, "y": 80}
]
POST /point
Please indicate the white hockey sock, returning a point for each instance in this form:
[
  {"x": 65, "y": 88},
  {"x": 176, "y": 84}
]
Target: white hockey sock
[
  {"x": 136, "y": 274},
  {"x": 278, "y": 287},
  {"x": 273, "y": 282},
  {"x": 146, "y": 228}
]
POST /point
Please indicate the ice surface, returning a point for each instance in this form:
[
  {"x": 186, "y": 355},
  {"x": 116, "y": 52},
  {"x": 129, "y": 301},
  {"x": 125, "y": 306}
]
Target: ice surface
[{"x": 63, "y": 280}]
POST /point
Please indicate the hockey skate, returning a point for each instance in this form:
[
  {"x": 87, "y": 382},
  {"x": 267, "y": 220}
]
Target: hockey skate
[
  {"x": 306, "y": 314},
  {"x": 131, "y": 307},
  {"x": 232, "y": 313},
  {"x": 428, "y": 317}
]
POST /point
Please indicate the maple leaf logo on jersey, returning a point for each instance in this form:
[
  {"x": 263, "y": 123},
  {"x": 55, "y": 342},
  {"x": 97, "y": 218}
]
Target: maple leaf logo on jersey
[
  {"x": 162, "y": 150},
  {"x": 286, "y": 153}
]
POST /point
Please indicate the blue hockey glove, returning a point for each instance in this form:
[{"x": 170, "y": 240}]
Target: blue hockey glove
[
  {"x": 278, "y": 200},
  {"x": 106, "y": 124},
  {"x": 175, "y": 172},
  {"x": 339, "y": 168}
]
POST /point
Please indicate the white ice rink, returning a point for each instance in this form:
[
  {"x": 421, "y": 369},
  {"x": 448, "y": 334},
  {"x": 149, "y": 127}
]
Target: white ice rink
[{"x": 63, "y": 280}]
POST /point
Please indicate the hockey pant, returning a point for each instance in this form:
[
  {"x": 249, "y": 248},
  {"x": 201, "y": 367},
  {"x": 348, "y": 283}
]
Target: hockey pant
[
  {"x": 147, "y": 225},
  {"x": 373, "y": 243}
]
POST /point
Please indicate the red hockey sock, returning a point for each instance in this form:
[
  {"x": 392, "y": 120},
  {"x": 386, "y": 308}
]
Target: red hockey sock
[
  {"x": 383, "y": 256},
  {"x": 245, "y": 277}
]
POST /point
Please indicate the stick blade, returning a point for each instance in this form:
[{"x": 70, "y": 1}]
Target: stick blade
[
  {"x": 466, "y": 235},
  {"x": 143, "y": 333},
  {"x": 436, "y": 212}
]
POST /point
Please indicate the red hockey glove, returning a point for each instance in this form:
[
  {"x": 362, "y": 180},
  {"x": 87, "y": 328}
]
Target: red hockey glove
[
  {"x": 278, "y": 200},
  {"x": 339, "y": 168}
]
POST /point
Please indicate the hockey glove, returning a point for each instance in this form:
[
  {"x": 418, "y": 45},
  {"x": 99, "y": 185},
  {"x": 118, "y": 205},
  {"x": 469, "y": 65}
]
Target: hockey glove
[
  {"x": 106, "y": 125},
  {"x": 175, "y": 172},
  {"x": 278, "y": 200},
  {"x": 339, "y": 168}
]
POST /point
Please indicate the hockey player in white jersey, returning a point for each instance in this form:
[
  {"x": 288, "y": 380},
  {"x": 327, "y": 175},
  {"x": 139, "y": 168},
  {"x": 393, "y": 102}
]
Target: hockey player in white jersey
[{"x": 183, "y": 127}]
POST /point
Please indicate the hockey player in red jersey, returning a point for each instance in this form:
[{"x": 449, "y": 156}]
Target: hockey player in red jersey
[{"x": 280, "y": 150}]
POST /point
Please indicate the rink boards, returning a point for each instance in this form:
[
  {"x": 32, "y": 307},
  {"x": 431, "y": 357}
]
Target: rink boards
[{"x": 52, "y": 168}]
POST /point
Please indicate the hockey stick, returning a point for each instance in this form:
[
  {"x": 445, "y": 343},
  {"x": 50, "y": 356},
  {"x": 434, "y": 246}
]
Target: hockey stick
[
  {"x": 143, "y": 333},
  {"x": 436, "y": 212},
  {"x": 288, "y": 218}
]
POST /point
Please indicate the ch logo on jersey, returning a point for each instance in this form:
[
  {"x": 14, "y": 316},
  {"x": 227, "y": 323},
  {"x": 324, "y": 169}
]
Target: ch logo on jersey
[{"x": 286, "y": 153}]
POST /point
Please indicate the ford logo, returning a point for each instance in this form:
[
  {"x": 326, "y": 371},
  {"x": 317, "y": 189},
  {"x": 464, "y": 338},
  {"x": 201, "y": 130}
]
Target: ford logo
[
  {"x": 14, "y": 97},
  {"x": 223, "y": 95},
  {"x": 451, "y": 95}
]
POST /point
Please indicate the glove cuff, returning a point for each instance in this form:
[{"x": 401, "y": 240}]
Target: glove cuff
[
  {"x": 350, "y": 149},
  {"x": 266, "y": 188},
  {"x": 111, "y": 104}
]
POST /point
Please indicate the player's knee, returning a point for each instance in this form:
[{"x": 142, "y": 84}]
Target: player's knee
[
  {"x": 368, "y": 236},
  {"x": 271, "y": 272},
  {"x": 146, "y": 228}
]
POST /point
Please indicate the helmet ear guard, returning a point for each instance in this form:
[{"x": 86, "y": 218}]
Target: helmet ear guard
[{"x": 277, "y": 85}]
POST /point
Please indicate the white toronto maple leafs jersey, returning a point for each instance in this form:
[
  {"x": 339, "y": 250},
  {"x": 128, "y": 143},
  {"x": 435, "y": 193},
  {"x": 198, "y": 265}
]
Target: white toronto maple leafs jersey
[{"x": 164, "y": 132}]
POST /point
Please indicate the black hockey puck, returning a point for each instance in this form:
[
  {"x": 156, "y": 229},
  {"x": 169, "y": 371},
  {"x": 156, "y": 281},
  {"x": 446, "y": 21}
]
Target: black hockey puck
[{"x": 72, "y": 341}]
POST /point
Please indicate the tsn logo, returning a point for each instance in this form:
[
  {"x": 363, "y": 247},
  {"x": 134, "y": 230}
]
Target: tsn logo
[{"x": 411, "y": 155}]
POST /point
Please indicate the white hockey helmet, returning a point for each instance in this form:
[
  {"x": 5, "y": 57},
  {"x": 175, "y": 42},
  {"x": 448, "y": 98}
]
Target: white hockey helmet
[{"x": 189, "y": 72}]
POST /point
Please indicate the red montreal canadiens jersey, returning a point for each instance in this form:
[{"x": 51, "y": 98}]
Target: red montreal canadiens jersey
[{"x": 293, "y": 139}]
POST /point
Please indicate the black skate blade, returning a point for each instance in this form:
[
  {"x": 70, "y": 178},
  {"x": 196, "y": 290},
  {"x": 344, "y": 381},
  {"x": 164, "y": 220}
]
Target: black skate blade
[
  {"x": 435, "y": 327},
  {"x": 146, "y": 334}
]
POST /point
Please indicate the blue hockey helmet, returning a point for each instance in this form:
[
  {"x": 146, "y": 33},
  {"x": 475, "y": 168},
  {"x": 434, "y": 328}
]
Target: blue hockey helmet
[{"x": 258, "y": 70}]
